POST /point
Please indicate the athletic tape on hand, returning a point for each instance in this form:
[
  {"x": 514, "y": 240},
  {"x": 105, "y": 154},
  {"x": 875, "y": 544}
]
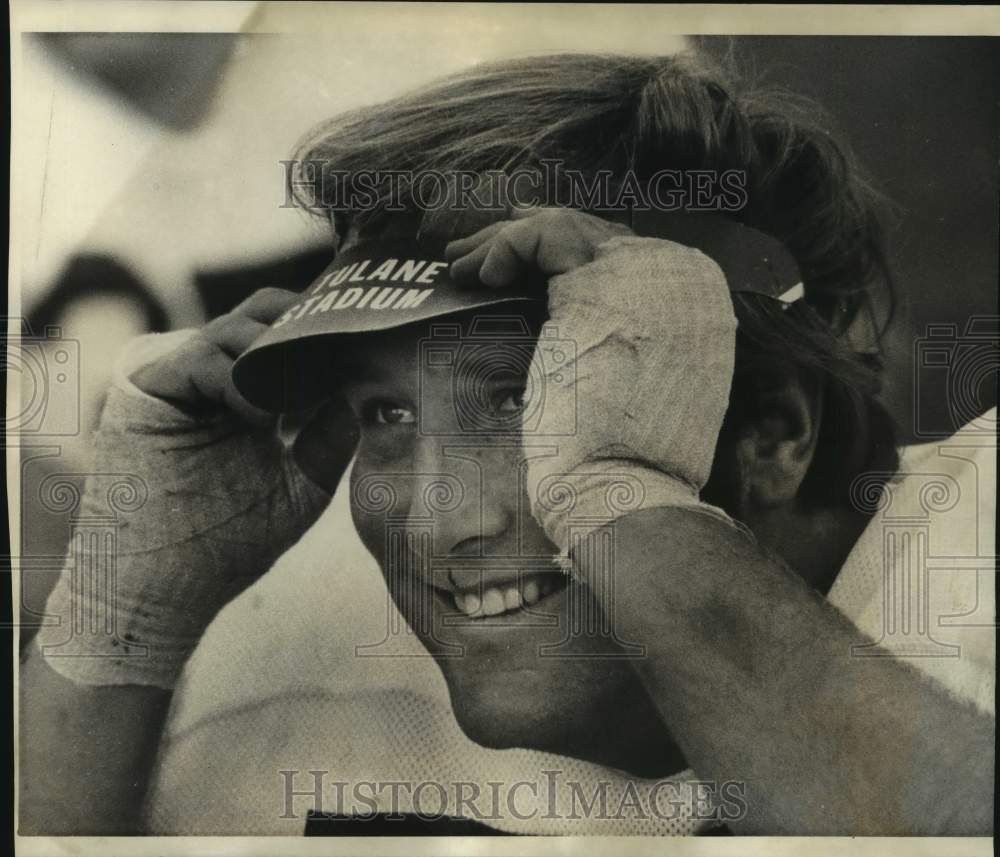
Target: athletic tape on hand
[{"x": 648, "y": 387}]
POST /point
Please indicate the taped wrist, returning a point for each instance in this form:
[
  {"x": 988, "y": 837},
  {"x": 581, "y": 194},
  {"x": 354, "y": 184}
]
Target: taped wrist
[
  {"x": 211, "y": 507},
  {"x": 654, "y": 333}
]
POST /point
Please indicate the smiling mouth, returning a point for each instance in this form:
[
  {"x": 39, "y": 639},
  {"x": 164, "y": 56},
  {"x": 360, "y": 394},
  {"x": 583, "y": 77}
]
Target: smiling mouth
[{"x": 510, "y": 597}]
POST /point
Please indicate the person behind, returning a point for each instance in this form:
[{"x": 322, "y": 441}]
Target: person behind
[{"x": 741, "y": 424}]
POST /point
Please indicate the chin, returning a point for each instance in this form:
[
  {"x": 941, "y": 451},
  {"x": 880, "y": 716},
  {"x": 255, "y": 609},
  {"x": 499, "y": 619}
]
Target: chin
[
  {"x": 502, "y": 724},
  {"x": 522, "y": 708},
  {"x": 521, "y": 711}
]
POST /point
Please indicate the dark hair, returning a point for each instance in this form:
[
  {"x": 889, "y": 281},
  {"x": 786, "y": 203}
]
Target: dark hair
[{"x": 646, "y": 114}]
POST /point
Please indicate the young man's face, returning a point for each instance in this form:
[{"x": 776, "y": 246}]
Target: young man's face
[{"x": 439, "y": 498}]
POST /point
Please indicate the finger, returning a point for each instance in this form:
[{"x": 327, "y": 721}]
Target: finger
[
  {"x": 460, "y": 247},
  {"x": 467, "y": 268},
  {"x": 524, "y": 211},
  {"x": 508, "y": 255},
  {"x": 549, "y": 241},
  {"x": 552, "y": 240},
  {"x": 234, "y": 333},
  {"x": 501, "y": 259},
  {"x": 213, "y": 383},
  {"x": 265, "y": 305},
  {"x": 463, "y": 246}
]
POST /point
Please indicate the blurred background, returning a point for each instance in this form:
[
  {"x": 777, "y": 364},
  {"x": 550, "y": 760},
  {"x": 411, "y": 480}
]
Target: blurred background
[{"x": 152, "y": 190}]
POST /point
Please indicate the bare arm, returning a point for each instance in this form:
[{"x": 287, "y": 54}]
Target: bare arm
[
  {"x": 750, "y": 668},
  {"x": 86, "y": 752},
  {"x": 225, "y": 500},
  {"x": 753, "y": 674}
]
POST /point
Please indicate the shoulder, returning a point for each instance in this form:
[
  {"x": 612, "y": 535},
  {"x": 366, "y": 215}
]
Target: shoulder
[
  {"x": 920, "y": 581},
  {"x": 234, "y": 771}
]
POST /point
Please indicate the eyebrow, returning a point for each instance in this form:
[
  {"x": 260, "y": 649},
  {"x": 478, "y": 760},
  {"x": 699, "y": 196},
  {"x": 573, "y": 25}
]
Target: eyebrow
[
  {"x": 501, "y": 376},
  {"x": 358, "y": 372},
  {"x": 354, "y": 375}
]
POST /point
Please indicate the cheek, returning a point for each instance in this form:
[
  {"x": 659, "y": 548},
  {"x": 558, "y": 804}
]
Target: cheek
[
  {"x": 378, "y": 493},
  {"x": 369, "y": 497}
]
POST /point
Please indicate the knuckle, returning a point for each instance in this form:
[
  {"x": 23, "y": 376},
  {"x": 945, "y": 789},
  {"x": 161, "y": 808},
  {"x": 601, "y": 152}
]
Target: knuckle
[
  {"x": 202, "y": 343},
  {"x": 514, "y": 231},
  {"x": 217, "y": 328},
  {"x": 265, "y": 297},
  {"x": 271, "y": 293}
]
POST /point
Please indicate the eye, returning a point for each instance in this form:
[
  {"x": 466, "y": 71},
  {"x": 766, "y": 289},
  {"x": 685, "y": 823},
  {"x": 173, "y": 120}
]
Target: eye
[{"x": 387, "y": 413}]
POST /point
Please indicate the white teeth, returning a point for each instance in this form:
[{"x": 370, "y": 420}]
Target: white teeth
[
  {"x": 493, "y": 602},
  {"x": 512, "y": 598},
  {"x": 468, "y": 603}
]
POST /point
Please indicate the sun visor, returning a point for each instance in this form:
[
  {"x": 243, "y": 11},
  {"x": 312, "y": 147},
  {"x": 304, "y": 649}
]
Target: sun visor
[
  {"x": 388, "y": 283},
  {"x": 753, "y": 261},
  {"x": 374, "y": 286}
]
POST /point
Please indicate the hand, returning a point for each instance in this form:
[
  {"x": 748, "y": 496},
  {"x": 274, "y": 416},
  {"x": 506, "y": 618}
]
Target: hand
[
  {"x": 654, "y": 333},
  {"x": 221, "y": 506},
  {"x": 197, "y": 376},
  {"x": 551, "y": 240}
]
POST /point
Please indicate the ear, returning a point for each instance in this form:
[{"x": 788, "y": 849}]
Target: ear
[{"x": 776, "y": 447}]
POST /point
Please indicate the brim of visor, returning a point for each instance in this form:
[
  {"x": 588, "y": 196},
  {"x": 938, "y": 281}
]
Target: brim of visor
[
  {"x": 294, "y": 374},
  {"x": 394, "y": 282}
]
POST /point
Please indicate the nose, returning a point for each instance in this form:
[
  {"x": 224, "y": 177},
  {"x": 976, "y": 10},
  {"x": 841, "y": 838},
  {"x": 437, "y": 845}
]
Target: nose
[
  {"x": 467, "y": 490},
  {"x": 466, "y": 493}
]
